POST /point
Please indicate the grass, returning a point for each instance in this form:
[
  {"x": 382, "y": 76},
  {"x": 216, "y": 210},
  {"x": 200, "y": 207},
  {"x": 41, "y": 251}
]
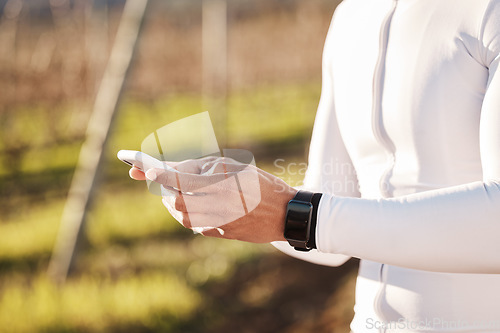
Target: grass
[
  {"x": 30, "y": 233},
  {"x": 140, "y": 271},
  {"x": 96, "y": 304},
  {"x": 123, "y": 214}
]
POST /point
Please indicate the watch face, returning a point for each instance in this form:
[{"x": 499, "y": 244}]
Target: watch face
[{"x": 297, "y": 226}]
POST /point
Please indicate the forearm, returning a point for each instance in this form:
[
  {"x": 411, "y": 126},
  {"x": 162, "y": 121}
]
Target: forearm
[
  {"x": 449, "y": 230},
  {"x": 313, "y": 256}
]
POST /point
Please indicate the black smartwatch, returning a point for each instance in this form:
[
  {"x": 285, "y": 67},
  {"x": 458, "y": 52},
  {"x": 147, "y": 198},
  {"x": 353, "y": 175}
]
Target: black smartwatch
[{"x": 300, "y": 221}]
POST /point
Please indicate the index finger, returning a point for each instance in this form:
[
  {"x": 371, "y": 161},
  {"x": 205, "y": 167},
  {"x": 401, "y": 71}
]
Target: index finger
[
  {"x": 193, "y": 166},
  {"x": 185, "y": 182}
]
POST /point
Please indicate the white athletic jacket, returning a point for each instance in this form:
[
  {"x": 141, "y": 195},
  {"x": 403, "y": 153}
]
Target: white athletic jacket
[{"x": 406, "y": 149}]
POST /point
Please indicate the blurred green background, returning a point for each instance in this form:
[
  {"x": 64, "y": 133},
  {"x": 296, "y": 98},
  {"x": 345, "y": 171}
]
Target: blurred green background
[{"x": 139, "y": 270}]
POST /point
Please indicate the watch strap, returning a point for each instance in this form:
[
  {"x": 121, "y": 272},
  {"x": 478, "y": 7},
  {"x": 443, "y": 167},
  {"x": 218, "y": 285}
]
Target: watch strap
[
  {"x": 314, "y": 220},
  {"x": 304, "y": 196}
]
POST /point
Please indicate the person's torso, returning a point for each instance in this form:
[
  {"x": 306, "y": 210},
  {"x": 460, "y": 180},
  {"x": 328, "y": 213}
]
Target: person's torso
[{"x": 409, "y": 80}]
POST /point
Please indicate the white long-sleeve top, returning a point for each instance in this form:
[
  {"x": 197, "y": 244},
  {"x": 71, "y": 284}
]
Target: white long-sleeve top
[{"x": 406, "y": 149}]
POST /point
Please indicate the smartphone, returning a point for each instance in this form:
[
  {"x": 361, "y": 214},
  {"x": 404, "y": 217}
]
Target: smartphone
[{"x": 142, "y": 161}]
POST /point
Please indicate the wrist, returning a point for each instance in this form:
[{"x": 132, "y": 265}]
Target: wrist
[{"x": 301, "y": 220}]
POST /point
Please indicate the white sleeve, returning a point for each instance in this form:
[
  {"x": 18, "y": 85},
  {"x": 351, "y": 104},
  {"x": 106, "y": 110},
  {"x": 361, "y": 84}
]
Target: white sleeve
[
  {"x": 313, "y": 256},
  {"x": 453, "y": 229},
  {"x": 326, "y": 151}
]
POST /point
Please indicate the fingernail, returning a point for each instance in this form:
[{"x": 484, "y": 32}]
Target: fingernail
[{"x": 151, "y": 174}]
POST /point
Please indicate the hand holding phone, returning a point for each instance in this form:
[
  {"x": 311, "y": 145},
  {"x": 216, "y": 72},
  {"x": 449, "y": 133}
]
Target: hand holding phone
[{"x": 145, "y": 162}]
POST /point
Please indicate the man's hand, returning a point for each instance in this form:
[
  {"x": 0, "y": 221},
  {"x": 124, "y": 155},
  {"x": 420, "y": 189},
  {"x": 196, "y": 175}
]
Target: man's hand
[{"x": 223, "y": 198}]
